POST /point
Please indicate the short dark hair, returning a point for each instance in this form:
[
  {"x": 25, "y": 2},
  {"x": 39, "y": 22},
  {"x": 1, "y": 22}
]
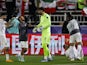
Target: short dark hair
[
  {"x": 69, "y": 15},
  {"x": 41, "y": 8}
]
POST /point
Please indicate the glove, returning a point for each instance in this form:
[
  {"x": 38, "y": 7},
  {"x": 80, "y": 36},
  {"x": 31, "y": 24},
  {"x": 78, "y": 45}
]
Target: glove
[
  {"x": 34, "y": 30},
  {"x": 40, "y": 29}
]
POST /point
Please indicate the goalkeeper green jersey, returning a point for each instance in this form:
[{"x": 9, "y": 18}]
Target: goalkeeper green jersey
[{"x": 45, "y": 22}]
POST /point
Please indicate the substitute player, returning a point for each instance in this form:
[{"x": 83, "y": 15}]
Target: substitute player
[
  {"x": 22, "y": 38},
  {"x": 44, "y": 26},
  {"x": 3, "y": 42},
  {"x": 75, "y": 37}
]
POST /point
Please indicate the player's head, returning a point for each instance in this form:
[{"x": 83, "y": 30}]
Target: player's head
[
  {"x": 21, "y": 19},
  {"x": 69, "y": 16},
  {"x": 40, "y": 10}
]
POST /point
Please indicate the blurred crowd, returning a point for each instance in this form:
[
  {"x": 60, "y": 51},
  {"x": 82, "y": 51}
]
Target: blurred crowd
[
  {"x": 50, "y": 6},
  {"x": 16, "y": 8},
  {"x": 60, "y": 4}
]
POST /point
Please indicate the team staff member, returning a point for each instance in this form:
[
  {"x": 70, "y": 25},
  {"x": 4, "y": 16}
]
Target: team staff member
[{"x": 23, "y": 26}]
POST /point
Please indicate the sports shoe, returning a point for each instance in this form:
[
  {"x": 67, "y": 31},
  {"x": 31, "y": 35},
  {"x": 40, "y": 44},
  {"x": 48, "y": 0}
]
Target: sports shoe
[
  {"x": 50, "y": 59},
  {"x": 44, "y": 60},
  {"x": 72, "y": 59},
  {"x": 80, "y": 59},
  {"x": 22, "y": 59},
  {"x": 9, "y": 60}
]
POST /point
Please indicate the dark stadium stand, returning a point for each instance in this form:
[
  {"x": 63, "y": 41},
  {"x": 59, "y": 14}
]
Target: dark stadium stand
[{"x": 59, "y": 16}]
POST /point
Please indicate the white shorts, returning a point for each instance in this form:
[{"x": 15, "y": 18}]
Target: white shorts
[
  {"x": 24, "y": 44},
  {"x": 3, "y": 41},
  {"x": 75, "y": 38}
]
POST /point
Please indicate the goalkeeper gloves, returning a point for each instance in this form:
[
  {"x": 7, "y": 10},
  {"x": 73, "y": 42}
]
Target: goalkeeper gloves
[
  {"x": 37, "y": 29},
  {"x": 34, "y": 30},
  {"x": 40, "y": 29}
]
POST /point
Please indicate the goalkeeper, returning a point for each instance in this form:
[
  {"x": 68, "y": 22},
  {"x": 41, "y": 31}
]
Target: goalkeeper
[{"x": 44, "y": 27}]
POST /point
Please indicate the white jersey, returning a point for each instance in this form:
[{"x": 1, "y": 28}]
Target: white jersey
[
  {"x": 2, "y": 27},
  {"x": 73, "y": 24}
]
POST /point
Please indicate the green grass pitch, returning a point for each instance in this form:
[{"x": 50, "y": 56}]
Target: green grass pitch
[{"x": 35, "y": 60}]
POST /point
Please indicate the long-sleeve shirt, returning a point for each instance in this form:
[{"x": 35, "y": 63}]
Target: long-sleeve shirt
[{"x": 45, "y": 22}]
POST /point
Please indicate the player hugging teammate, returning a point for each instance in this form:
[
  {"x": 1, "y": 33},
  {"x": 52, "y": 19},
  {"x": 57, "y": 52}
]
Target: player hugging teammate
[{"x": 75, "y": 37}]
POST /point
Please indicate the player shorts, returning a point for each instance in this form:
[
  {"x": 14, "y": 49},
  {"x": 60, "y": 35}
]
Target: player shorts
[
  {"x": 3, "y": 41},
  {"x": 45, "y": 40},
  {"x": 75, "y": 38},
  {"x": 24, "y": 44}
]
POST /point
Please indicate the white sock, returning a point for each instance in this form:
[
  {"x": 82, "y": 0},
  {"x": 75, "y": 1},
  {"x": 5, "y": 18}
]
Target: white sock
[
  {"x": 45, "y": 57},
  {"x": 82, "y": 54},
  {"x": 7, "y": 56},
  {"x": 72, "y": 52},
  {"x": 79, "y": 49},
  {"x": 75, "y": 52}
]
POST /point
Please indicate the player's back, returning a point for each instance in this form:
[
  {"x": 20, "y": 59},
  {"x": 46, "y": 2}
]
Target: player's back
[{"x": 72, "y": 25}]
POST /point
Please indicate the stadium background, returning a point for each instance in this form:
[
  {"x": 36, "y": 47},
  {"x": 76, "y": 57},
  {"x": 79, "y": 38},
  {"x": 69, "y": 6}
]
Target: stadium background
[
  {"x": 57, "y": 11},
  {"x": 58, "y": 16}
]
